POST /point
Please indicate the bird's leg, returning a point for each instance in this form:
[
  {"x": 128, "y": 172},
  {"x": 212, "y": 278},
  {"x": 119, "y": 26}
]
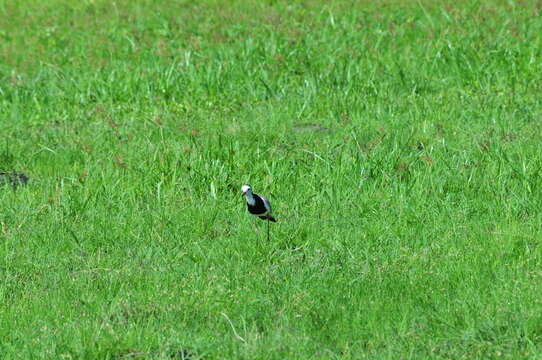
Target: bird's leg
[{"x": 256, "y": 227}]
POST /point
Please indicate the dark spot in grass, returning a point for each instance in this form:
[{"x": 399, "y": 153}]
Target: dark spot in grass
[
  {"x": 131, "y": 354},
  {"x": 440, "y": 129},
  {"x": 12, "y": 178},
  {"x": 119, "y": 163},
  {"x": 345, "y": 118},
  {"x": 183, "y": 354},
  {"x": 508, "y": 137},
  {"x": 158, "y": 121},
  {"x": 403, "y": 169},
  {"x": 113, "y": 124},
  {"x": 484, "y": 146},
  {"x": 427, "y": 160},
  {"x": 311, "y": 128}
]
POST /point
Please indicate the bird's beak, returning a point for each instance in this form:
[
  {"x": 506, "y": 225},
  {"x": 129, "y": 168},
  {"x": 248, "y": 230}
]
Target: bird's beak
[{"x": 243, "y": 194}]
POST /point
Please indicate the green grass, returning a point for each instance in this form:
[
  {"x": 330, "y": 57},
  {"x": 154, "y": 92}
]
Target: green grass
[{"x": 399, "y": 141}]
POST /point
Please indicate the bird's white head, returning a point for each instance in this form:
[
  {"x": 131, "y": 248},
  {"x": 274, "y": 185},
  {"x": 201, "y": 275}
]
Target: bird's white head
[{"x": 246, "y": 189}]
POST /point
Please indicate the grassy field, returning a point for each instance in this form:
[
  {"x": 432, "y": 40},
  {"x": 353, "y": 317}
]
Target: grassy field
[{"x": 400, "y": 143}]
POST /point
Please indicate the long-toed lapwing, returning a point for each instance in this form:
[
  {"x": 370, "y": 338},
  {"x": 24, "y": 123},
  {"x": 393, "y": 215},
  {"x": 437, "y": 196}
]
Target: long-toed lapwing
[{"x": 258, "y": 206}]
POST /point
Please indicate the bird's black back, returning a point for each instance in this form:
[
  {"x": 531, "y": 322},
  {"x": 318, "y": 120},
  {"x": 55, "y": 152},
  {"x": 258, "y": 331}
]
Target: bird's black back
[{"x": 258, "y": 207}]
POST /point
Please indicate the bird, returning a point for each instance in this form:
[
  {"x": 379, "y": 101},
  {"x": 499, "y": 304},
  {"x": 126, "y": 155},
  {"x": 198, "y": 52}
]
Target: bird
[{"x": 258, "y": 205}]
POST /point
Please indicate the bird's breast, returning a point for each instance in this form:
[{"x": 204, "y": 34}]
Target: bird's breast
[{"x": 256, "y": 210}]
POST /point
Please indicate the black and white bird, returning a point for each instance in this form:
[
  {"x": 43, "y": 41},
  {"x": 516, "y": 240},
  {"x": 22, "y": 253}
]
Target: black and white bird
[{"x": 258, "y": 206}]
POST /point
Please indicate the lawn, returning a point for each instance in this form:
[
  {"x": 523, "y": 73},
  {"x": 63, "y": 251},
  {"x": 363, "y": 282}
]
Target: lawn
[{"x": 400, "y": 143}]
